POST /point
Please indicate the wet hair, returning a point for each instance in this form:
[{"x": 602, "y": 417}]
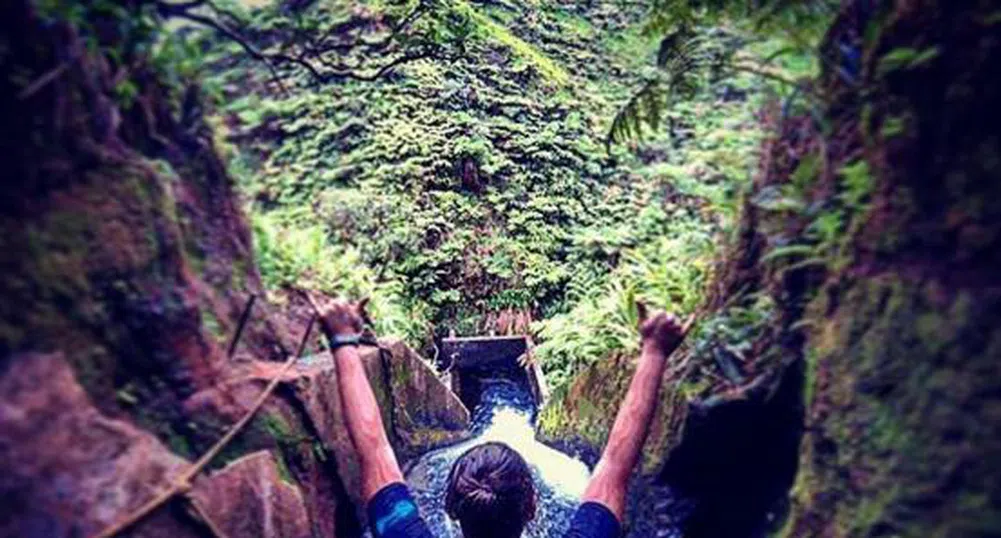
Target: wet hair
[{"x": 490, "y": 492}]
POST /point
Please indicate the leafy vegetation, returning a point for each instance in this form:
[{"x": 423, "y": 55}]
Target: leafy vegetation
[
  {"x": 301, "y": 256},
  {"x": 704, "y": 44},
  {"x": 463, "y": 185}
]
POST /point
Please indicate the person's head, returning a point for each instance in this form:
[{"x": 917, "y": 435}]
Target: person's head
[{"x": 490, "y": 492}]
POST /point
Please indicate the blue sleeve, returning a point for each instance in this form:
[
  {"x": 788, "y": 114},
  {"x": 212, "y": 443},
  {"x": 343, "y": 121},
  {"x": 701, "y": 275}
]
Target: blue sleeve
[
  {"x": 593, "y": 520},
  {"x": 392, "y": 513}
]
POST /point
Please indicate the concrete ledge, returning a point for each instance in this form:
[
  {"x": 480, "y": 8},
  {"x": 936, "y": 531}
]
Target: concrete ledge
[{"x": 472, "y": 359}]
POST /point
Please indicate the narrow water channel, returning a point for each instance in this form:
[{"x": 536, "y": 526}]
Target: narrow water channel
[{"x": 506, "y": 413}]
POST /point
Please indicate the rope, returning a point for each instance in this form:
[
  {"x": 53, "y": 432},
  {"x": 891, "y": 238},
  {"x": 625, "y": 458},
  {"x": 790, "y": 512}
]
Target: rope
[
  {"x": 183, "y": 483},
  {"x": 197, "y": 507}
]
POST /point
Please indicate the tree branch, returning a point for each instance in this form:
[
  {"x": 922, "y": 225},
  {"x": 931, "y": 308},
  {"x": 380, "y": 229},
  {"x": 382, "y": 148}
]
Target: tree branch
[
  {"x": 272, "y": 58},
  {"x": 233, "y": 36},
  {"x": 308, "y": 55}
]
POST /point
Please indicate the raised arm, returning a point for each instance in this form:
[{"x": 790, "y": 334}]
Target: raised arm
[
  {"x": 379, "y": 467},
  {"x": 661, "y": 335}
]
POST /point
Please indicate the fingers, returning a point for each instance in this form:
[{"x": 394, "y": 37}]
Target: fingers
[
  {"x": 363, "y": 311},
  {"x": 642, "y": 311},
  {"x": 339, "y": 314}
]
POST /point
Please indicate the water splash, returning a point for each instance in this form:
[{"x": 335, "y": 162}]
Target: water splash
[{"x": 506, "y": 413}]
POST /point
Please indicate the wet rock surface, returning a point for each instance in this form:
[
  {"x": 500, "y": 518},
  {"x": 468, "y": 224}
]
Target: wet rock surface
[
  {"x": 420, "y": 413},
  {"x": 69, "y": 470}
]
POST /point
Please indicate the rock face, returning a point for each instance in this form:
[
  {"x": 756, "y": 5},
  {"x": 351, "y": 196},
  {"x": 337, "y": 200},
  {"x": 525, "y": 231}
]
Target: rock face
[
  {"x": 903, "y": 425},
  {"x": 419, "y": 412},
  {"x": 68, "y": 470},
  {"x": 122, "y": 240},
  {"x": 250, "y": 498},
  {"x": 126, "y": 265}
]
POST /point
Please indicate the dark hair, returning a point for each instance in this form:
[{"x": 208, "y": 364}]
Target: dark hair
[{"x": 490, "y": 492}]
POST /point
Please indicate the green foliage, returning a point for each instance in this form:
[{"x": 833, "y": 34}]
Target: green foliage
[
  {"x": 461, "y": 180},
  {"x": 666, "y": 274},
  {"x": 479, "y": 185},
  {"x": 858, "y": 183},
  {"x": 125, "y": 34},
  {"x": 800, "y": 22},
  {"x": 728, "y": 335},
  {"x": 893, "y": 126},
  {"x": 595, "y": 329},
  {"x": 489, "y": 29},
  {"x": 686, "y": 61},
  {"x": 301, "y": 256},
  {"x": 701, "y": 47},
  {"x": 177, "y": 60},
  {"x": 827, "y": 234},
  {"x": 906, "y": 58}
]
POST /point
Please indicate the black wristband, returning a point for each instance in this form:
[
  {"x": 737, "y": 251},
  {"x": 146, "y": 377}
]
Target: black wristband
[{"x": 341, "y": 340}]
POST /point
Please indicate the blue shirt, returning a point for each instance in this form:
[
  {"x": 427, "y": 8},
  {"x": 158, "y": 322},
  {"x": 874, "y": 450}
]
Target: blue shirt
[{"x": 392, "y": 513}]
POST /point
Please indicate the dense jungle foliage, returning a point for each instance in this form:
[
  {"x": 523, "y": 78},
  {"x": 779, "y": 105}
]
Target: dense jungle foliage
[
  {"x": 483, "y": 167},
  {"x": 529, "y": 167}
]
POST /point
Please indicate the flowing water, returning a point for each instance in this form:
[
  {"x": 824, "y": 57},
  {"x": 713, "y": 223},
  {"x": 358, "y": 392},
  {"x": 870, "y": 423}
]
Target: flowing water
[{"x": 506, "y": 413}]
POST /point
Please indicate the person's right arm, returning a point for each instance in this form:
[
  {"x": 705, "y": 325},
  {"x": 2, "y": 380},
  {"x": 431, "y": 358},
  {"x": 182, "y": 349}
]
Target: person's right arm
[
  {"x": 661, "y": 335},
  {"x": 391, "y": 509}
]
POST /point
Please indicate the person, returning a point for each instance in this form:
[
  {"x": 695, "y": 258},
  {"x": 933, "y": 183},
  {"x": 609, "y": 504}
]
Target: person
[
  {"x": 490, "y": 489},
  {"x": 490, "y": 492}
]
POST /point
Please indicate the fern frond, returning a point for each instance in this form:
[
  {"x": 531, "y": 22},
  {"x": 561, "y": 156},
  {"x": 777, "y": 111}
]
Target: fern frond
[
  {"x": 684, "y": 58},
  {"x": 629, "y": 120}
]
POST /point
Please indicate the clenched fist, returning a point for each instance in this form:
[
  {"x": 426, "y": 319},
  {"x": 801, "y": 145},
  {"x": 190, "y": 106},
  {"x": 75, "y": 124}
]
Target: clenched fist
[
  {"x": 343, "y": 317},
  {"x": 662, "y": 331}
]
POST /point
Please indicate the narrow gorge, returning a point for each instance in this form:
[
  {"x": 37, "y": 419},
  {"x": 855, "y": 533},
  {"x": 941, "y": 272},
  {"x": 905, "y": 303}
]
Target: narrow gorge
[{"x": 817, "y": 184}]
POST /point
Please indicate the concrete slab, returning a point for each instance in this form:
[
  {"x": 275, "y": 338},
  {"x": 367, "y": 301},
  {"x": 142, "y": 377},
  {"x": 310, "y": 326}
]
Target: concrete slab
[
  {"x": 483, "y": 350},
  {"x": 473, "y": 359}
]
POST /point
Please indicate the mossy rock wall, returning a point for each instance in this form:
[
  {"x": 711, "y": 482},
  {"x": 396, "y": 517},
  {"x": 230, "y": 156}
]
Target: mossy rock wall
[
  {"x": 893, "y": 323},
  {"x": 903, "y": 427},
  {"x": 578, "y": 421},
  {"x": 127, "y": 262},
  {"x": 122, "y": 240}
]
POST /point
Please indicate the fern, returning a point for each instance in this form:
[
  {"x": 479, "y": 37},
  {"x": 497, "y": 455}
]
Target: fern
[
  {"x": 683, "y": 61},
  {"x": 302, "y": 256},
  {"x": 688, "y": 60},
  {"x": 492, "y": 30}
]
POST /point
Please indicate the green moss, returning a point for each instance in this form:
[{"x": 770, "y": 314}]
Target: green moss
[
  {"x": 493, "y": 30},
  {"x": 255, "y": 436},
  {"x": 893, "y": 399},
  {"x": 277, "y": 428},
  {"x": 178, "y": 443},
  {"x": 283, "y": 470},
  {"x": 211, "y": 323}
]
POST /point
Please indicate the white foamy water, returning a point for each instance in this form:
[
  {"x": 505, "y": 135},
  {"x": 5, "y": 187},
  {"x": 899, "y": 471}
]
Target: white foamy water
[{"x": 505, "y": 414}]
